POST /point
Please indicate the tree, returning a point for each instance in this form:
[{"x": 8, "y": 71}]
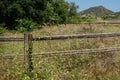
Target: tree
[
  {"x": 61, "y": 9},
  {"x": 73, "y": 9},
  {"x": 73, "y": 15},
  {"x": 10, "y": 11},
  {"x": 39, "y": 11}
]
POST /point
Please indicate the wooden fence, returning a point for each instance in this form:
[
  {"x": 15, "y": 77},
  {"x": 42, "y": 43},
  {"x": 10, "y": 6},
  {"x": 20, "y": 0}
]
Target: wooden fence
[
  {"x": 104, "y": 22},
  {"x": 28, "y": 38},
  {"x": 60, "y": 37}
]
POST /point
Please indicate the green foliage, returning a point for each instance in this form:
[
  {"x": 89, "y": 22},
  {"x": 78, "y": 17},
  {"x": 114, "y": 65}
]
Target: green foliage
[
  {"x": 61, "y": 9},
  {"x": 2, "y": 28},
  {"x": 9, "y": 12},
  {"x": 73, "y": 16},
  {"x": 86, "y": 19},
  {"x": 73, "y": 9},
  {"x": 25, "y": 25},
  {"x": 73, "y": 20},
  {"x": 44, "y": 12},
  {"x": 112, "y": 16}
]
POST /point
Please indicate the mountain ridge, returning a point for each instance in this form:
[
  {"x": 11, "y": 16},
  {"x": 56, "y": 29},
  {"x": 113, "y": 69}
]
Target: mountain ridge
[{"x": 99, "y": 11}]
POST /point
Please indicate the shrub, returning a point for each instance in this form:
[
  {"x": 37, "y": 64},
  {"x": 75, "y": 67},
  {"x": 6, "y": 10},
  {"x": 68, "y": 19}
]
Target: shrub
[
  {"x": 86, "y": 19},
  {"x": 25, "y": 25},
  {"x": 73, "y": 20},
  {"x": 1, "y": 28}
]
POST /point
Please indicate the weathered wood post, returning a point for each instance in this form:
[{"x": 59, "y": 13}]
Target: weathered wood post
[{"x": 28, "y": 53}]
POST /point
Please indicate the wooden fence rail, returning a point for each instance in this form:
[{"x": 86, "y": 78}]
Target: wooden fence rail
[
  {"x": 7, "y": 38},
  {"x": 105, "y": 22},
  {"x": 82, "y": 51},
  {"x": 58, "y": 37},
  {"x": 91, "y": 35}
]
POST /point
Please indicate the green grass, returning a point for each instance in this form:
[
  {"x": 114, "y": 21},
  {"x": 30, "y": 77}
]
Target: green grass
[{"x": 98, "y": 66}]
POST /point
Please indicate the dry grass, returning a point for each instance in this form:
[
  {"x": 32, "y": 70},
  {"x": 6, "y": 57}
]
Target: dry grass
[{"x": 98, "y": 66}]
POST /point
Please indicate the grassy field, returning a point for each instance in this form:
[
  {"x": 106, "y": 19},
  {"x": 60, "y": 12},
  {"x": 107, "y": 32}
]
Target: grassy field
[{"x": 98, "y": 66}]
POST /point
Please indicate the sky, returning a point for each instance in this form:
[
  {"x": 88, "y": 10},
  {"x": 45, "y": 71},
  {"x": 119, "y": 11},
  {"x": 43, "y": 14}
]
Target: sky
[{"x": 113, "y": 5}]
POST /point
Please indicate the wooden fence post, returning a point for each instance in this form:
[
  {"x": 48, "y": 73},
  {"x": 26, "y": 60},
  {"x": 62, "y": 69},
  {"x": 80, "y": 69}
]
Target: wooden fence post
[{"x": 28, "y": 53}]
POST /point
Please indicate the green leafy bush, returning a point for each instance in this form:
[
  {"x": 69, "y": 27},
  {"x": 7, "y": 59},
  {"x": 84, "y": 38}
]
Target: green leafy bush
[
  {"x": 86, "y": 19},
  {"x": 73, "y": 20},
  {"x": 25, "y": 25},
  {"x": 1, "y": 28}
]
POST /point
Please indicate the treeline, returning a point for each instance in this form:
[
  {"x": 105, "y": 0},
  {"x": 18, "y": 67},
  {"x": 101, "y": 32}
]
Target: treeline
[{"x": 22, "y": 14}]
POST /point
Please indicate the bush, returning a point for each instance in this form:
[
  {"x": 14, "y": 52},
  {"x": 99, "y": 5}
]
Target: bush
[
  {"x": 86, "y": 19},
  {"x": 73, "y": 20},
  {"x": 25, "y": 25},
  {"x": 1, "y": 28}
]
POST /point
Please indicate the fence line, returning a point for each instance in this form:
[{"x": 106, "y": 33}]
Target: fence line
[
  {"x": 90, "y": 35},
  {"x": 105, "y": 22},
  {"x": 28, "y": 46},
  {"x": 7, "y": 38},
  {"x": 97, "y": 50},
  {"x": 58, "y": 37},
  {"x": 82, "y": 51}
]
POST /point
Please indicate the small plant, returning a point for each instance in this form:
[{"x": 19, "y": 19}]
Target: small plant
[
  {"x": 1, "y": 28},
  {"x": 86, "y": 19},
  {"x": 25, "y": 25}
]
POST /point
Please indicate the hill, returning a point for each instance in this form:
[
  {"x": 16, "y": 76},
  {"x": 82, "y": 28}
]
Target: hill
[{"x": 101, "y": 12}]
